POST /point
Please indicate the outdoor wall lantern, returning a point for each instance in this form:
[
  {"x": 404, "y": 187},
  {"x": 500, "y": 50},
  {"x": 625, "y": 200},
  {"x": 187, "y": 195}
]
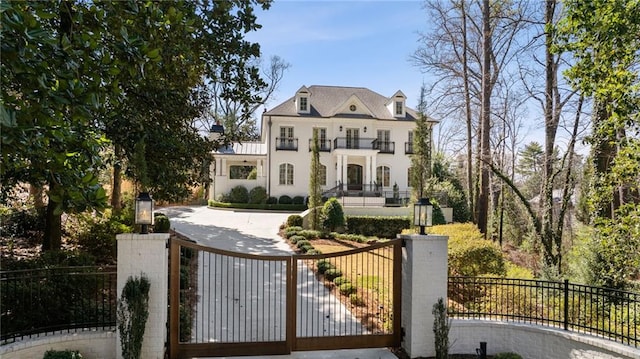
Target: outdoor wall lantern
[
  {"x": 365, "y": 129},
  {"x": 144, "y": 212},
  {"x": 422, "y": 213},
  {"x": 340, "y": 128}
]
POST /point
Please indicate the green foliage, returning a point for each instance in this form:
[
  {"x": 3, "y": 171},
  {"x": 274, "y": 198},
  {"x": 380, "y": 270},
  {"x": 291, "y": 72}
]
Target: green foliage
[
  {"x": 290, "y": 231},
  {"x": 421, "y": 158},
  {"x": 340, "y": 281},
  {"x": 294, "y": 220},
  {"x": 284, "y": 199},
  {"x": 333, "y": 215},
  {"x": 383, "y": 227},
  {"x": 25, "y": 221},
  {"x": 305, "y": 247},
  {"x": 332, "y": 273},
  {"x": 161, "y": 223},
  {"x": 310, "y": 234},
  {"x": 347, "y": 288},
  {"x": 356, "y": 300},
  {"x": 62, "y": 354},
  {"x": 295, "y": 239},
  {"x": 315, "y": 190},
  {"x": 507, "y": 356},
  {"x": 448, "y": 190},
  {"x": 441, "y": 327},
  {"x": 97, "y": 236},
  {"x": 133, "y": 312},
  {"x": 297, "y": 200},
  {"x": 469, "y": 254},
  {"x": 351, "y": 237},
  {"x": 239, "y": 194},
  {"x": 302, "y": 243},
  {"x": 272, "y": 200},
  {"x": 324, "y": 265},
  {"x": 284, "y": 207},
  {"x": 313, "y": 251},
  {"x": 438, "y": 216},
  {"x": 258, "y": 195}
]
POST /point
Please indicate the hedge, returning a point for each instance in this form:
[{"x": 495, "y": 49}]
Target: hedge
[
  {"x": 383, "y": 227},
  {"x": 281, "y": 207}
]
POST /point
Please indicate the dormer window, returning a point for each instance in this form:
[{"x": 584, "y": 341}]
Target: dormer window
[
  {"x": 303, "y": 104},
  {"x": 399, "y": 108},
  {"x": 302, "y": 101}
]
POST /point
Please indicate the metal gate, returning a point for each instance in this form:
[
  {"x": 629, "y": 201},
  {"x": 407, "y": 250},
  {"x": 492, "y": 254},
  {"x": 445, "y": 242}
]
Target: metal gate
[{"x": 230, "y": 304}]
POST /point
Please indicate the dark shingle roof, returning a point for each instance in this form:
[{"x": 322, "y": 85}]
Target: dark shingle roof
[{"x": 326, "y": 100}]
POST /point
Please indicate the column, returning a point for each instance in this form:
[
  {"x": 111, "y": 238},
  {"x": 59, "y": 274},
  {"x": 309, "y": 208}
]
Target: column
[
  {"x": 374, "y": 166},
  {"x": 147, "y": 254},
  {"x": 424, "y": 280},
  {"x": 344, "y": 170},
  {"x": 368, "y": 180},
  {"x": 223, "y": 167},
  {"x": 338, "y": 169}
]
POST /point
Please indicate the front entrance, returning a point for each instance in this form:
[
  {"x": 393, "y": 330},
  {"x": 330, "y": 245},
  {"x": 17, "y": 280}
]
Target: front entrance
[
  {"x": 354, "y": 177},
  {"x": 231, "y": 304}
]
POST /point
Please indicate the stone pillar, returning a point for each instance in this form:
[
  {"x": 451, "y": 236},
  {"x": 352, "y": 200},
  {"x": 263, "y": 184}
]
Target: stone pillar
[
  {"x": 424, "y": 280},
  {"x": 147, "y": 254}
]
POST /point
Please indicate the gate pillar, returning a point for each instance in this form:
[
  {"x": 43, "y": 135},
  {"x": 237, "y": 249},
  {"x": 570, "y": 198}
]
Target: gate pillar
[
  {"x": 147, "y": 254},
  {"x": 424, "y": 280}
]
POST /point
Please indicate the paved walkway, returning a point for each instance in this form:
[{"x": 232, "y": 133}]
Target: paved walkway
[{"x": 256, "y": 233}]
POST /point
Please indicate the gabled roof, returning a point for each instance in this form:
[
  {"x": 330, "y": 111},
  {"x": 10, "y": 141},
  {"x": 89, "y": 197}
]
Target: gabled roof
[{"x": 325, "y": 100}]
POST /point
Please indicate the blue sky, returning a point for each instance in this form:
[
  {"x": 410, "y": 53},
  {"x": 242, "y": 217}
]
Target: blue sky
[{"x": 344, "y": 43}]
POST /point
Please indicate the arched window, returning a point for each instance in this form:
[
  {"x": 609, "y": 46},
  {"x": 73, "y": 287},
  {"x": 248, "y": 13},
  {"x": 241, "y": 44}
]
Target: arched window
[
  {"x": 383, "y": 176},
  {"x": 286, "y": 174}
]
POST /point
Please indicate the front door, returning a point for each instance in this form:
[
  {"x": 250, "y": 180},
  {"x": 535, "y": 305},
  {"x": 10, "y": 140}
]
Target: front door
[{"x": 354, "y": 177}]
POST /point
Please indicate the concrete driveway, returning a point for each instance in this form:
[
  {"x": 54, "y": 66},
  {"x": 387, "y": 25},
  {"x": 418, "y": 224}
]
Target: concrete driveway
[{"x": 257, "y": 233}]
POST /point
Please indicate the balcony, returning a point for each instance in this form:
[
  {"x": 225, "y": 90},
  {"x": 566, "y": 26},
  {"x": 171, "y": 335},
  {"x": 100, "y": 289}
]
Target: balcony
[
  {"x": 384, "y": 146},
  {"x": 353, "y": 143},
  {"x": 323, "y": 145},
  {"x": 408, "y": 148},
  {"x": 286, "y": 144}
]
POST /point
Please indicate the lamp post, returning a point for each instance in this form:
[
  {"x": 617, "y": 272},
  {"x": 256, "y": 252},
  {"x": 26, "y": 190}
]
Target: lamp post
[
  {"x": 422, "y": 214},
  {"x": 144, "y": 212}
]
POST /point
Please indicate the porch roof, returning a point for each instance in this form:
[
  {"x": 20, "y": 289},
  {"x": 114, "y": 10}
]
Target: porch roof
[{"x": 244, "y": 148}]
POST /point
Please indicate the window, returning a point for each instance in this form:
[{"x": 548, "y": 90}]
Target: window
[
  {"x": 353, "y": 138},
  {"x": 323, "y": 175},
  {"x": 322, "y": 138},
  {"x": 286, "y": 174},
  {"x": 286, "y": 138},
  {"x": 399, "y": 109},
  {"x": 408, "y": 148},
  {"x": 242, "y": 172},
  {"x": 303, "y": 104},
  {"x": 384, "y": 143},
  {"x": 383, "y": 176}
]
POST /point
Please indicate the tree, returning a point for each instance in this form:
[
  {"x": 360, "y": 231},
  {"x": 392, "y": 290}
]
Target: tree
[
  {"x": 603, "y": 38},
  {"x": 530, "y": 167},
  {"x": 333, "y": 214},
  {"x": 315, "y": 194},
  {"x": 421, "y": 157}
]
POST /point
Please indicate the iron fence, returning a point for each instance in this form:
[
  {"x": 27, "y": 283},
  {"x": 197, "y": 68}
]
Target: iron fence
[
  {"x": 608, "y": 313},
  {"x": 36, "y": 302}
]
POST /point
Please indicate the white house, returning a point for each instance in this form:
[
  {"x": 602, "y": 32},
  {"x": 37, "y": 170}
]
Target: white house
[{"x": 365, "y": 139}]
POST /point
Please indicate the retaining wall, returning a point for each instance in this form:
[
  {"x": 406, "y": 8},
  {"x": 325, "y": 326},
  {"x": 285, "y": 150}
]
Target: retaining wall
[
  {"x": 91, "y": 344},
  {"x": 533, "y": 342}
]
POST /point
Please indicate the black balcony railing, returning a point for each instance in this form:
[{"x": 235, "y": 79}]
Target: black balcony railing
[
  {"x": 603, "y": 312},
  {"x": 323, "y": 145},
  {"x": 38, "y": 301},
  {"x": 408, "y": 148},
  {"x": 286, "y": 144},
  {"x": 384, "y": 146},
  {"x": 353, "y": 143}
]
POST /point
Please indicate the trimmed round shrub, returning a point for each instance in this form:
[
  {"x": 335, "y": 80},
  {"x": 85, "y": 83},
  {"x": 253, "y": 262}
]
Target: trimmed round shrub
[
  {"x": 239, "y": 194},
  {"x": 258, "y": 195},
  {"x": 340, "y": 281},
  {"x": 298, "y": 200},
  {"x": 313, "y": 251},
  {"x": 347, "y": 289},
  {"x": 332, "y": 273},
  {"x": 356, "y": 300},
  {"x": 305, "y": 248},
  {"x": 272, "y": 200},
  {"x": 468, "y": 257},
  {"x": 284, "y": 199},
  {"x": 296, "y": 238},
  {"x": 65, "y": 354},
  {"x": 324, "y": 265},
  {"x": 333, "y": 214},
  {"x": 291, "y": 231},
  {"x": 310, "y": 234},
  {"x": 161, "y": 223},
  {"x": 303, "y": 242},
  {"x": 294, "y": 220}
]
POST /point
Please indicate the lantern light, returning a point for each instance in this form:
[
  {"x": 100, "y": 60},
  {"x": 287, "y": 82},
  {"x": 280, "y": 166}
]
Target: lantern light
[
  {"x": 422, "y": 214},
  {"x": 144, "y": 212}
]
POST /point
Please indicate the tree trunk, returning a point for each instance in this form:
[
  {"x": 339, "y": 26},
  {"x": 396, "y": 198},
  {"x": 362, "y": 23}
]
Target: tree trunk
[
  {"x": 485, "y": 120},
  {"x": 52, "y": 240},
  {"x": 37, "y": 193},
  {"x": 116, "y": 189},
  {"x": 467, "y": 100}
]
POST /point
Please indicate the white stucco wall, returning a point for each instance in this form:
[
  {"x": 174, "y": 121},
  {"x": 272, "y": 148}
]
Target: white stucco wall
[
  {"x": 91, "y": 344},
  {"x": 533, "y": 342}
]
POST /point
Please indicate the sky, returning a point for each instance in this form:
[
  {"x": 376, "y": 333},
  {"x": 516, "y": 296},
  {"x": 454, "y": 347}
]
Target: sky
[{"x": 344, "y": 43}]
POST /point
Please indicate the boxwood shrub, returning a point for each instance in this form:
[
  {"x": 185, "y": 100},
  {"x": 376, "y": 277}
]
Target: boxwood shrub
[
  {"x": 239, "y": 194},
  {"x": 383, "y": 227},
  {"x": 291, "y": 231},
  {"x": 303, "y": 242},
  {"x": 258, "y": 195},
  {"x": 332, "y": 273},
  {"x": 294, "y": 220},
  {"x": 324, "y": 265},
  {"x": 310, "y": 234},
  {"x": 298, "y": 200},
  {"x": 296, "y": 238},
  {"x": 340, "y": 281},
  {"x": 347, "y": 289},
  {"x": 284, "y": 199}
]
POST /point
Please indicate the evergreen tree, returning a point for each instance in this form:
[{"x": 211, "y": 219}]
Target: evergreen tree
[
  {"x": 421, "y": 158},
  {"x": 315, "y": 200}
]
